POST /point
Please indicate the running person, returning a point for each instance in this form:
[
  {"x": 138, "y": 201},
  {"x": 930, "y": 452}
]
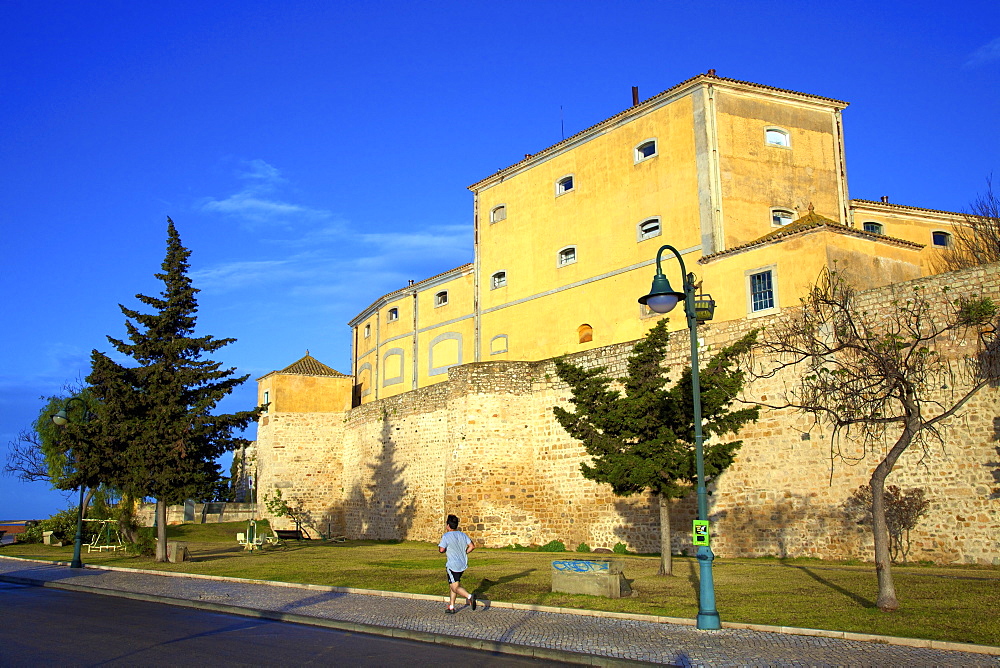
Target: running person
[{"x": 456, "y": 545}]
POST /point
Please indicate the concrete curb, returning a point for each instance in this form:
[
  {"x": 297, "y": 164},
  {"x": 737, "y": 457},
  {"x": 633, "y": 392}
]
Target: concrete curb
[{"x": 788, "y": 630}]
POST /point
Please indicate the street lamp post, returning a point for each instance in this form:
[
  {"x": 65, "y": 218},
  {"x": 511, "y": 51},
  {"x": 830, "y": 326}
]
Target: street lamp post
[
  {"x": 662, "y": 298},
  {"x": 62, "y": 419}
]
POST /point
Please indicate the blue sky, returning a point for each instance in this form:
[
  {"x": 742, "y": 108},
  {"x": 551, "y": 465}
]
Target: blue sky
[{"x": 315, "y": 155}]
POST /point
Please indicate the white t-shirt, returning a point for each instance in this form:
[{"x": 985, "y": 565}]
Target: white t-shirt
[{"x": 454, "y": 543}]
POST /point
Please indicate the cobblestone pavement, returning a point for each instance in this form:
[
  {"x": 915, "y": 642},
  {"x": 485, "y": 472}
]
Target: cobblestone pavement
[{"x": 598, "y": 640}]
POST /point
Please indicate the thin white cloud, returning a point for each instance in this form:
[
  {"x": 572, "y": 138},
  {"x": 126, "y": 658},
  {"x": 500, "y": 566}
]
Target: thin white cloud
[
  {"x": 255, "y": 206},
  {"x": 988, "y": 53}
]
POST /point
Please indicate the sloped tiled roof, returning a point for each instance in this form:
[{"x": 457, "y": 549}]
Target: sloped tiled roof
[
  {"x": 892, "y": 205},
  {"x": 308, "y": 365},
  {"x": 810, "y": 221}
]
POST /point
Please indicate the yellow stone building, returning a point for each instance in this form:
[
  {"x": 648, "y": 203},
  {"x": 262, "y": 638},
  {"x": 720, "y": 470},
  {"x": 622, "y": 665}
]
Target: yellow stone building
[{"x": 747, "y": 181}]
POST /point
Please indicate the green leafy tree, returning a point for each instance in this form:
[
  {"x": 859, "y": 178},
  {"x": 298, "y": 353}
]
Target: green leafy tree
[
  {"x": 156, "y": 435},
  {"x": 641, "y": 438},
  {"x": 888, "y": 378}
]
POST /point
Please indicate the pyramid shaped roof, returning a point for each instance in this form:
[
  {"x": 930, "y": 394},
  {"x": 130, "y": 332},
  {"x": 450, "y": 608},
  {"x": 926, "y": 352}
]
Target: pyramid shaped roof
[{"x": 307, "y": 365}]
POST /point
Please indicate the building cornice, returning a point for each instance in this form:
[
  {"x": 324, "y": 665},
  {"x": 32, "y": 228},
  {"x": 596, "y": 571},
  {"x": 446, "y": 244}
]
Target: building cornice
[
  {"x": 420, "y": 286},
  {"x": 659, "y": 100}
]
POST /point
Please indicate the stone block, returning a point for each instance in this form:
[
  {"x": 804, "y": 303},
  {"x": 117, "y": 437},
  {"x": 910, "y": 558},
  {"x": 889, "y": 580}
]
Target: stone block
[
  {"x": 177, "y": 551},
  {"x": 595, "y": 577}
]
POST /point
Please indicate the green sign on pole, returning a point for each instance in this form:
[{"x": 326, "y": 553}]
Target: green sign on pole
[{"x": 700, "y": 532}]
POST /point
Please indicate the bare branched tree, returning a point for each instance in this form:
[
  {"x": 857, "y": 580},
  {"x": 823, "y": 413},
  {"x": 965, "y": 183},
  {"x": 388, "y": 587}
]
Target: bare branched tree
[
  {"x": 883, "y": 378},
  {"x": 25, "y": 459},
  {"x": 978, "y": 240}
]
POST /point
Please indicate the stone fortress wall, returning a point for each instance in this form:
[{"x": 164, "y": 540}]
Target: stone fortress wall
[{"x": 485, "y": 446}]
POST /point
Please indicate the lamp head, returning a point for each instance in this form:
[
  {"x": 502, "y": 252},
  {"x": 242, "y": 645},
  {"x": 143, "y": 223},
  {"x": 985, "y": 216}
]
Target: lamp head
[
  {"x": 661, "y": 298},
  {"x": 61, "y": 418}
]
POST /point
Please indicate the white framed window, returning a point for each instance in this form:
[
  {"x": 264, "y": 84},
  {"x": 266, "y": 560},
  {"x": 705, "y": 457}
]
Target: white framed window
[
  {"x": 648, "y": 229},
  {"x": 566, "y": 256},
  {"x": 941, "y": 239},
  {"x": 762, "y": 293},
  {"x": 498, "y": 280},
  {"x": 267, "y": 400},
  {"x": 871, "y": 227},
  {"x": 368, "y": 331},
  {"x": 777, "y": 137},
  {"x": 564, "y": 185},
  {"x": 393, "y": 315},
  {"x": 498, "y": 213},
  {"x": 781, "y": 217},
  {"x": 441, "y": 298},
  {"x": 645, "y": 150}
]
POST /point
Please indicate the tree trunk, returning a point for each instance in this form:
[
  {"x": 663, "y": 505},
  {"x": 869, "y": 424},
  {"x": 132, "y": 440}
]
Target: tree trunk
[
  {"x": 161, "y": 531},
  {"x": 887, "y": 601},
  {"x": 666, "y": 561}
]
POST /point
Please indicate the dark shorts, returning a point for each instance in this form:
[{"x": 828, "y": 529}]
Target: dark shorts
[{"x": 454, "y": 576}]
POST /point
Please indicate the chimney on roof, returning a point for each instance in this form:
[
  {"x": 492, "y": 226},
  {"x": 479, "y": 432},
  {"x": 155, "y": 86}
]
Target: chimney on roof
[
  {"x": 635, "y": 96},
  {"x": 411, "y": 281},
  {"x": 711, "y": 73},
  {"x": 885, "y": 199}
]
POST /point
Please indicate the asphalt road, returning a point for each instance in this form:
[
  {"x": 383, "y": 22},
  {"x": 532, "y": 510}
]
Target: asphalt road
[{"x": 40, "y": 626}]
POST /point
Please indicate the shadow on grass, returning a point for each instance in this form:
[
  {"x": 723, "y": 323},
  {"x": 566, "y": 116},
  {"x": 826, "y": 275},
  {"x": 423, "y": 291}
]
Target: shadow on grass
[
  {"x": 488, "y": 584},
  {"x": 857, "y": 598}
]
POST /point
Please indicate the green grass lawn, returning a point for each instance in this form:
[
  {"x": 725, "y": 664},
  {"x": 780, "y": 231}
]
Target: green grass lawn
[{"x": 956, "y": 603}]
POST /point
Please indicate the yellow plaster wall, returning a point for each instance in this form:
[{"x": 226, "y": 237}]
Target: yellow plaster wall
[
  {"x": 911, "y": 225},
  {"x": 292, "y": 393},
  {"x": 756, "y": 177}
]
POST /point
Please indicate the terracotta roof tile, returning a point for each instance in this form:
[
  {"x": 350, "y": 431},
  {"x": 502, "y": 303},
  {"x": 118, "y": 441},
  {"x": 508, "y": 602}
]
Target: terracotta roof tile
[
  {"x": 810, "y": 221},
  {"x": 890, "y": 205},
  {"x": 308, "y": 365}
]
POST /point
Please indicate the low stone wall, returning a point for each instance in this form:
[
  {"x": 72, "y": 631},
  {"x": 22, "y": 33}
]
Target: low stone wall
[{"x": 204, "y": 513}]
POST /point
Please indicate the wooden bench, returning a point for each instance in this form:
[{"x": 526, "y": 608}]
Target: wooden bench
[{"x": 289, "y": 534}]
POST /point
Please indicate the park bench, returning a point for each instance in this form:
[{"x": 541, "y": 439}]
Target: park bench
[
  {"x": 289, "y": 534},
  {"x": 597, "y": 577}
]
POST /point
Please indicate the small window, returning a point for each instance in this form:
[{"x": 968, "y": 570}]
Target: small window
[
  {"x": 567, "y": 256},
  {"x": 874, "y": 228},
  {"x": 564, "y": 185},
  {"x": 585, "y": 333},
  {"x": 393, "y": 314},
  {"x": 645, "y": 150},
  {"x": 941, "y": 239},
  {"x": 267, "y": 400},
  {"x": 781, "y": 217},
  {"x": 761, "y": 291},
  {"x": 498, "y": 213},
  {"x": 776, "y": 137},
  {"x": 368, "y": 331},
  {"x": 499, "y": 280},
  {"x": 649, "y": 228},
  {"x": 441, "y": 298}
]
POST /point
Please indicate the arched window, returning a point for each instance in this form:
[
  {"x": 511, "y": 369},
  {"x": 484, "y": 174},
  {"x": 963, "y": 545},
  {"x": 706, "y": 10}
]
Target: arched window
[
  {"x": 498, "y": 280},
  {"x": 564, "y": 185},
  {"x": 566, "y": 256},
  {"x": 441, "y": 298},
  {"x": 648, "y": 229},
  {"x": 872, "y": 227},
  {"x": 393, "y": 315},
  {"x": 645, "y": 150},
  {"x": 777, "y": 137},
  {"x": 498, "y": 213},
  {"x": 585, "y": 333},
  {"x": 781, "y": 217}
]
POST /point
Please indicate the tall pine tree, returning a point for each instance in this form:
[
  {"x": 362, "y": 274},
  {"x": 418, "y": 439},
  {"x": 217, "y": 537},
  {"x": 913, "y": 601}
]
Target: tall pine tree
[
  {"x": 642, "y": 439},
  {"x": 156, "y": 429}
]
